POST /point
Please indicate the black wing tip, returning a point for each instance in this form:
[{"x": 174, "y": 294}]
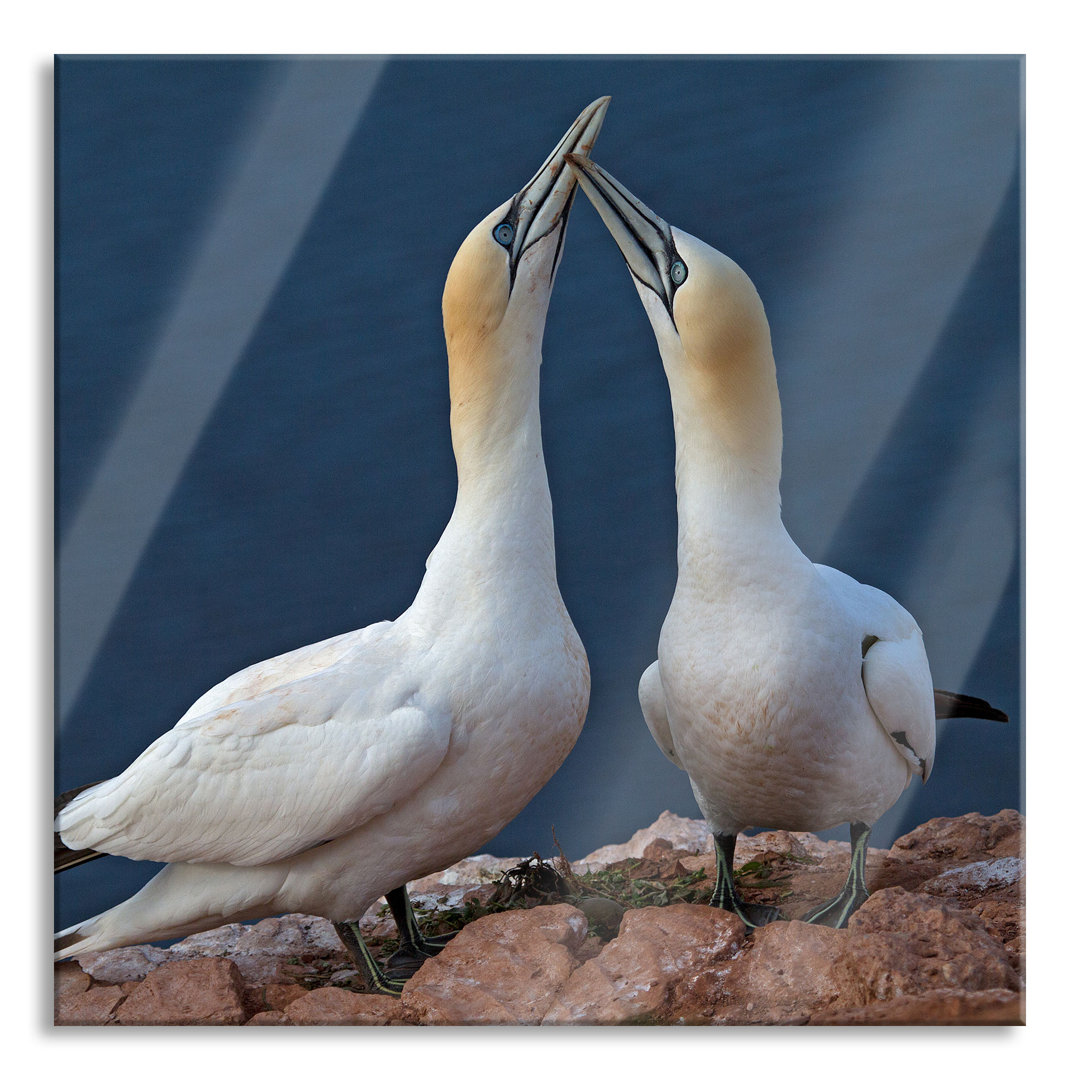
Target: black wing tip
[
  {"x": 65, "y": 941},
  {"x": 948, "y": 704},
  {"x": 64, "y": 858}
]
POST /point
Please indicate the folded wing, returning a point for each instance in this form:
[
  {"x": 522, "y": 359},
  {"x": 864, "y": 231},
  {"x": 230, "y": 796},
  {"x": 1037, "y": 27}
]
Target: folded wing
[
  {"x": 654, "y": 709},
  {"x": 895, "y": 671},
  {"x": 262, "y": 779},
  {"x": 898, "y": 687}
]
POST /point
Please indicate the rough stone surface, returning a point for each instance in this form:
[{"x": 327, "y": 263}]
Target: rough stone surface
[
  {"x": 947, "y": 1007},
  {"x": 944, "y": 844},
  {"x": 265, "y": 951},
  {"x": 897, "y": 945},
  {"x": 332, "y": 1005},
  {"x": 269, "y": 1018},
  {"x": 475, "y": 870},
  {"x": 128, "y": 964},
  {"x": 502, "y": 969},
  {"x": 79, "y": 1002},
  {"x": 940, "y": 941},
  {"x": 272, "y": 997},
  {"x": 645, "y": 973},
  {"x": 682, "y": 833},
  {"x": 206, "y": 990}
]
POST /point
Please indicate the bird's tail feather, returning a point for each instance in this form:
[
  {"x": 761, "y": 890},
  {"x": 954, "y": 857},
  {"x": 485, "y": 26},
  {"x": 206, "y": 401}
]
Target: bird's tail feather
[
  {"x": 91, "y": 935},
  {"x": 947, "y": 705},
  {"x": 66, "y": 940},
  {"x": 64, "y": 857}
]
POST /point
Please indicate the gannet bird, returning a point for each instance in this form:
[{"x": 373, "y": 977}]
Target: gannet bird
[
  {"x": 322, "y": 779},
  {"x": 793, "y": 696}
]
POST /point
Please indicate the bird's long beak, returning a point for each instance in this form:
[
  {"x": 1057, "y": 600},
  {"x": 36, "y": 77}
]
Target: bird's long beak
[
  {"x": 544, "y": 202},
  {"x": 644, "y": 238}
]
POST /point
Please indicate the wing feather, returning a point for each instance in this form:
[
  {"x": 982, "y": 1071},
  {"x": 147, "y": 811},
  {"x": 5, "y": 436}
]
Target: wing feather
[
  {"x": 895, "y": 671},
  {"x": 260, "y": 780},
  {"x": 257, "y": 679},
  {"x": 896, "y": 676},
  {"x": 654, "y": 709}
]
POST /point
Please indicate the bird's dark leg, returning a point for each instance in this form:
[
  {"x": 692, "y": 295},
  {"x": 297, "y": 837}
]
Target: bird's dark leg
[
  {"x": 375, "y": 981},
  {"x": 837, "y": 911},
  {"x": 415, "y": 947},
  {"x": 724, "y": 895}
]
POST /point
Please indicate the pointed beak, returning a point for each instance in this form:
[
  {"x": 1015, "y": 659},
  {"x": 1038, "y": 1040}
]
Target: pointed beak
[
  {"x": 544, "y": 202},
  {"x": 644, "y": 238}
]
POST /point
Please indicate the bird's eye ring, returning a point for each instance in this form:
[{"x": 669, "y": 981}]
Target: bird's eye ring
[
  {"x": 678, "y": 272},
  {"x": 504, "y": 234}
]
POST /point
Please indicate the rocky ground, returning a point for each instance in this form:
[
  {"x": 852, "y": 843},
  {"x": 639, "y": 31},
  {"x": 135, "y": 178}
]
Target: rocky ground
[{"x": 624, "y": 937}]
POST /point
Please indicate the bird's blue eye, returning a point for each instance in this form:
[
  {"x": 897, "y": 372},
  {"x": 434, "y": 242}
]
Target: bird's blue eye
[
  {"x": 504, "y": 233},
  {"x": 678, "y": 272}
]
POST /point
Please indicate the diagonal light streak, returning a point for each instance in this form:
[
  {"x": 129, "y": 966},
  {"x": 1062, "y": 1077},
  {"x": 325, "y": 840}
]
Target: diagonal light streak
[
  {"x": 877, "y": 358},
  {"x": 970, "y": 543},
  {"x": 872, "y": 305},
  {"x": 281, "y": 173},
  {"x": 875, "y": 301}
]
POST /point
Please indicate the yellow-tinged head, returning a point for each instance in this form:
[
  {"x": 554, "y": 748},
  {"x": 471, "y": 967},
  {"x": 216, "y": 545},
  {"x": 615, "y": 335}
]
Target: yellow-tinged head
[
  {"x": 710, "y": 327},
  {"x": 497, "y": 291}
]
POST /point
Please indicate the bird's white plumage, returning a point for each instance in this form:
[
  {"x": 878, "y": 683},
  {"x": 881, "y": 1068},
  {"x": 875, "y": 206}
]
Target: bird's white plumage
[
  {"x": 319, "y": 780},
  {"x": 654, "y": 709},
  {"x": 895, "y": 671},
  {"x": 764, "y": 692},
  {"x": 259, "y": 678},
  {"x": 263, "y": 777},
  {"x": 771, "y": 705},
  {"x": 793, "y": 696}
]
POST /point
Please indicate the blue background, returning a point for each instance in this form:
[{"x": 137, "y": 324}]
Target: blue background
[{"x": 876, "y": 204}]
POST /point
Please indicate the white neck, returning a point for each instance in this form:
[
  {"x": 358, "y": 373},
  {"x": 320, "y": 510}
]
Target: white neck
[
  {"x": 727, "y": 469},
  {"x": 501, "y": 527}
]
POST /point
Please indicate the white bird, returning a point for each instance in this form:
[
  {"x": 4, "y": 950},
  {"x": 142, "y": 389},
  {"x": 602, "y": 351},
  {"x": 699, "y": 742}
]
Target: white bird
[
  {"x": 322, "y": 779},
  {"x": 792, "y": 695}
]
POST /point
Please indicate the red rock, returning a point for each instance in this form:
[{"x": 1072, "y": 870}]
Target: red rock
[
  {"x": 278, "y": 996},
  {"x": 941, "y": 941},
  {"x": 269, "y": 1018},
  {"x": 69, "y": 980},
  {"x": 97, "y": 1006},
  {"x": 658, "y": 848},
  {"x": 206, "y": 990},
  {"x": 652, "y": 969},
  {"x": 897, "y": 945},
  {"x": 272, "y": 998},
  {"x": 264, "y": 951},
  {"x": 334, "y": 1006},
  {"x": 682, "y": 833},
  {"x": 969, "y": 838},
  {"x": 501, "y": 969},
  {"x": 78, "y": 1002},
  {"x": 936, "y": 1007},
  {"x": 1003, "y": 918},
  {"x": 922, "y": 919}
]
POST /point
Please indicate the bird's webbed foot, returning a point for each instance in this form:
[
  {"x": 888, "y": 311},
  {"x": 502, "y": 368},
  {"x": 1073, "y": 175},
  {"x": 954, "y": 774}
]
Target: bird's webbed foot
[
  {"x": 407, "y": 960},
  {"x": 724, "y": 895},
  {"x": 438, "y": 942},
  {"x": 840, "y": 908},
  {"x": 754, "y": 915},
  {"x": 375, "y": 980},
  {"x": 416, "y": 947}
]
